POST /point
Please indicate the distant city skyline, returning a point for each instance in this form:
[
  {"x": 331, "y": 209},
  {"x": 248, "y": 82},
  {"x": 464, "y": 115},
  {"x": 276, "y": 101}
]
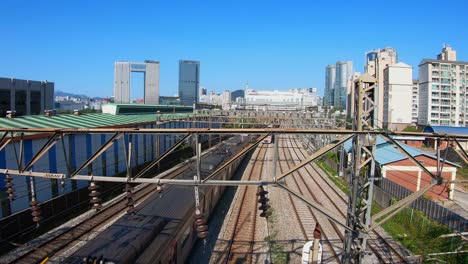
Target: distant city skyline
[{"x": 273, "y": 46}]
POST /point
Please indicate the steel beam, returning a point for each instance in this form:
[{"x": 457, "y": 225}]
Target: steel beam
[
  {"x": 156, "y": 161},
  {"x": 172, "y": 181},
  {"x": 397, "y": 207},
  {"x": 234, "y": 158},
  {"x": 460, "y": 146},
  {"x": 413, "y": 159},
  {"x": 43, "y": 150},
  {"x": 217, "y": 131},
  {"x": 45, "y": 175},
  {"x": 98, "y": 153},
  {"x": 316, "y": 155}
]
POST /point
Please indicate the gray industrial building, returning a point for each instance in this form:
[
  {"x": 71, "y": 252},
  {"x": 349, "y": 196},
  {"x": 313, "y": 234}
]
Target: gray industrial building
[
  {"x": 26, "y": 97},
  {"x": 189, "y": 81},
  {"x": 122, "y": 80}
]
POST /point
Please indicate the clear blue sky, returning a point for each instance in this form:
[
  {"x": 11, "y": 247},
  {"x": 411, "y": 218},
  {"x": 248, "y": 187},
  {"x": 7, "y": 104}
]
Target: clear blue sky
[{"x": 272, "y": 44}]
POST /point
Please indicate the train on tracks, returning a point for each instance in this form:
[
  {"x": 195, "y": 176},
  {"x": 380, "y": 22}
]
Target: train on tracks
[{"x": 161, "y": 229}]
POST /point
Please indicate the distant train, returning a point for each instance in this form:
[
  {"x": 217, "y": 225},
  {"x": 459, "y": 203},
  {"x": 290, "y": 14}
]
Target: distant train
[
  {"x": 268, "y": 140},
  {"x": 162, "y": 228}
]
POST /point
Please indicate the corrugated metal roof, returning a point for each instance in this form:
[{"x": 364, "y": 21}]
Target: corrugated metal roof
[
  {"x": 386, "y": 152},
  {"x": 446, "y": 130},
  {"x": 81, "y": 121}
]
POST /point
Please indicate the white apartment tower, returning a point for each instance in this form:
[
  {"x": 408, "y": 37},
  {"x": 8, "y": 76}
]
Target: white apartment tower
[
  {"x": 443, "y": 94},
  {"x": 415, "y": 103},
  {"x": 376, "y": 61},
  {"x": 397, "y": 96}
]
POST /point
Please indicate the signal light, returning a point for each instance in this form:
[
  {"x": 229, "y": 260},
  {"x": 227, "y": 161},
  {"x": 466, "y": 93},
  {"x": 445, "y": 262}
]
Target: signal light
[{"x": 264, "y": 207}]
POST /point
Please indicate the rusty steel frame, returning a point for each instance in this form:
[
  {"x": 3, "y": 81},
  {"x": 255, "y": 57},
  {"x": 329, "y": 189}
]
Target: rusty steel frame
[
  {"x": 119, "y": 133},
  {"x": 220, "y": 131}
]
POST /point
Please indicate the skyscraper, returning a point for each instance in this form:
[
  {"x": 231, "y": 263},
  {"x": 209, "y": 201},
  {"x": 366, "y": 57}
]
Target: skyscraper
[
  {"x": 189, "y": 81},
  {"x": 376, "y": 61},
  {"x": 122, "y": 80},
  {"x": 330, "y": 74},
  {"x": 344, "y": 70}
]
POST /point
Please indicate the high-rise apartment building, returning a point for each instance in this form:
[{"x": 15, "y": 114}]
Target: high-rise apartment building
[
  {"x": 330, "y": 74},
  {"x": 189, "y": 82},
  {"x": 397, "y": 95},
  {"x": 376, "y": 61},
  {"x": 122, "y": 80},
  {"x": 415, "y": 102},
  {"x": 344, "y": 70},
  {"x": 443, "y": 90}
]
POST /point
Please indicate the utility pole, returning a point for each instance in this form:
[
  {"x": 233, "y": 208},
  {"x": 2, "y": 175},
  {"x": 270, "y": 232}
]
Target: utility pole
[{"x": 362, "y": 173}]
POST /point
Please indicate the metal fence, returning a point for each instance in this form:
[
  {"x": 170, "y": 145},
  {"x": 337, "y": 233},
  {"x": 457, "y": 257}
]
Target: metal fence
[{"x": 386, "y": 190}]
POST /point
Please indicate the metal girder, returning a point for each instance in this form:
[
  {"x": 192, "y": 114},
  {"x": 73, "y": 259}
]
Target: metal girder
[
  {"x": 413, "y": 159},
  {"x": 218, "y": 131},
  {"x": 183, "y": 182},
  {"x": 322, "y": 210},
  {"x": 98, "y": 153},
  {"x": 234, "y": 158},
  {"x": 397, "y": 207},
  {"x": 156, "y": 161},
  {"x": 460, "y": 146},
  {"x": 4, "y": 144},
  {"x": 43, "y": 150},
  {"x": 46, "y": 175},
  {"x": 315, "y": 155},
  {"x": 362, "y": 177}
]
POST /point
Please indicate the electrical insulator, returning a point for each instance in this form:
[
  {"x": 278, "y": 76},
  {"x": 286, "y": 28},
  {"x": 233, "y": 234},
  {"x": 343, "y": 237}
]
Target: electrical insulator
[
  {"x": 200, "y": 225},
  {"x": 94, "y": 194},
  {"x": 35, "y": 211},
  {"x": 264, "y": 206},
  {"x": 9, "y": 187},
  {"x": 159, "y": 188},
  {"x": 129, "y": 195}
]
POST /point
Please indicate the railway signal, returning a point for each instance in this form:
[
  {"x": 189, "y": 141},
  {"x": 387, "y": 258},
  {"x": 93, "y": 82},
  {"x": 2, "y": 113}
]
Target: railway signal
[
  {"x": 9, "y": 188},
  {"x": 94, "y": 194},
  {"x": 263, "y": 201}
]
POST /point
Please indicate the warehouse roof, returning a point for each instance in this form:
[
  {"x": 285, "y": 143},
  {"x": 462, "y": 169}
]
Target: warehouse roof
[
  {"x": 386, "y": 152},
  {"x": 446, "y": 130},
  {"x": 81, "y": 121}
]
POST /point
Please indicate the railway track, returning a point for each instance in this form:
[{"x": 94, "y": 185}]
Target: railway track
[
  {"x": 307, "y": 218},
  {"x": 386, "y": 251},
  {"x": 78, "y": 232},
  {"x": 240, "y": 247}
]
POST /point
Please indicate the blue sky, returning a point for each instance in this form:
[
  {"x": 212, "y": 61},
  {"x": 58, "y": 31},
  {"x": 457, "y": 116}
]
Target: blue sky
[{"x": 271, "y": 44}]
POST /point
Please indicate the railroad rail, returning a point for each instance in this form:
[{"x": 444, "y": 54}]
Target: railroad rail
[
  {"x": 60, "y": 241},
  {"x": 386, "y": 251},
  {"x": 241, "y": 242},
  {"x": 307, "y": 218}
]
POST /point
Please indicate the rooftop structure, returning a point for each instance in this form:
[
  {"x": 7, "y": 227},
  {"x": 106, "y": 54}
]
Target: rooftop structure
[{"x": 125, "y": 109}]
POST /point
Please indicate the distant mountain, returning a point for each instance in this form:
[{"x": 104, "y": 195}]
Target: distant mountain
[{"x": 83, "y": 96}]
